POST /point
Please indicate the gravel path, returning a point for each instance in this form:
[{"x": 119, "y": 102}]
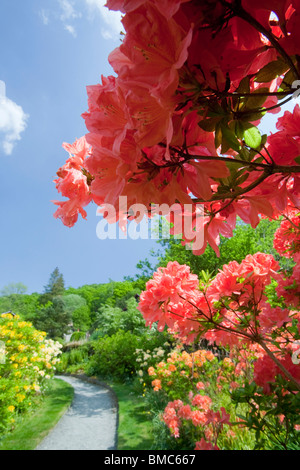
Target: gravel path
[{"x": 89, "y": 424}]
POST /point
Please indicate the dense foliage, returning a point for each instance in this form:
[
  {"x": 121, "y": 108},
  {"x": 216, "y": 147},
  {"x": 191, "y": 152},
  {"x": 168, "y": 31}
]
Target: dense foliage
[{"x": 27, "y": 361}]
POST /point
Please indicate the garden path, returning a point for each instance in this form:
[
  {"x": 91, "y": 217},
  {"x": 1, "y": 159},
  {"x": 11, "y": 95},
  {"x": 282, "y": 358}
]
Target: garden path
[{"x": 89, "y": 424}]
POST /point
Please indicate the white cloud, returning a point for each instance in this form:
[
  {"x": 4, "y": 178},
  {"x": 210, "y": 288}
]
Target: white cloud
[
  {"x": 71, "y": 30},
  {"x": 13, "y": 121},
  {"x": 68, "y": 11},
  {"x": 44, "y": 16},
  {"x": 68, "y": 14},
  {"x": 111, "y": 19}
]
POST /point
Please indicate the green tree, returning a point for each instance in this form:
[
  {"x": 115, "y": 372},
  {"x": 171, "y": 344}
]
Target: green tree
[
  {"x": 109, "y": 320},
  {"x": 13, "y": 288},
  {"x": 26, "y": 305},
  {"x": 54, "y": 288},
  {"x": 81, "y": 318},
  {"x": 55, "y": 319},
  {"x": 73, "y": 302},
  {"x": 77, "y": 306},
  {"x": 56, "y": 284}
]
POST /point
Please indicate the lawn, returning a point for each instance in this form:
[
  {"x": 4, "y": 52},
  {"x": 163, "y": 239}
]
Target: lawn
[
  {"x": 33, "y": 427},
  {"x": 135, "y": 426}
]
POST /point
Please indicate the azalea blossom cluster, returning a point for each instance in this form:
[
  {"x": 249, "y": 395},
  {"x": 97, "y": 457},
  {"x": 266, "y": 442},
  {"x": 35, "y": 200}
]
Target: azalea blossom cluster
[
  {"x": 287, "y": 243},
  {"x": 201, "y": 367},
  {"x": 180, "y": 367},
  {"x": 178, "y": 120},
  {"x": 233, "y": 309},
  {"x": 200, "y": 414}
]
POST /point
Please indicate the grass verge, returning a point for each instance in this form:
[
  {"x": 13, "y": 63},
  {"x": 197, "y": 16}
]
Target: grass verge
[
  {"x": 135, "y": 426},
  {"x": 33, "y": 427}
]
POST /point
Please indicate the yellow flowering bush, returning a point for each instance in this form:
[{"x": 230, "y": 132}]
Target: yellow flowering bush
[{"x": 27, "y": 362}]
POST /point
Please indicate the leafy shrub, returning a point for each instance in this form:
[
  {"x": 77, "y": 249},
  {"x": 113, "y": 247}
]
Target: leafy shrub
[
  {"x": 110, "y": 319},
  {"x": 27, "y": 361},
  {"x": 114, "y": 356},
  {"x": 78, "y": 336},
  {"x": 74, "y": 360}
]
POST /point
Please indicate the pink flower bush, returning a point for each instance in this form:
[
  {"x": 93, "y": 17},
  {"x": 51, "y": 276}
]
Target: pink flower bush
[
  {"x": 167, "y": 287},
  {"x": 234, "y": 310},
  {"x": 176, "y": 414}
]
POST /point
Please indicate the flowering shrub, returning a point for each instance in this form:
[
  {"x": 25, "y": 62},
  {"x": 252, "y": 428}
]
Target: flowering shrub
[
  {"x": 199, "y": 415},
  {"x": 232, "y": 311},
  {"x": 147, "y": 358},
  {"x": 175, "y": 374},
  {"x": 28, "y": 361},
  {"x": 198, "y": 387},
  {"x": 232, "y": 308}
]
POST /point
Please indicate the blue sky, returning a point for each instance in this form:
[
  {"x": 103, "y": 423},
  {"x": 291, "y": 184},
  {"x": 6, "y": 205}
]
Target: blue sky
[{"x": 50, "y": 51}]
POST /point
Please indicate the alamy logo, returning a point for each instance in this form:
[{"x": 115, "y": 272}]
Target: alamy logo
[
  {"x": 296, "y": 86},
  {"x": 137, "y": 222}
]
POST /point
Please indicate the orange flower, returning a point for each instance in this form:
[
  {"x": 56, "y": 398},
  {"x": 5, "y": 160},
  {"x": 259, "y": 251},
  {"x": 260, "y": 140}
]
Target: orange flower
[
  {"x": 151, "y": 371},
  {"x": 156, "y": 384}
]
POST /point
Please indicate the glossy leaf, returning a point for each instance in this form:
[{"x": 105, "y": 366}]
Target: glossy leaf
[{"x": 271, "y": 71}]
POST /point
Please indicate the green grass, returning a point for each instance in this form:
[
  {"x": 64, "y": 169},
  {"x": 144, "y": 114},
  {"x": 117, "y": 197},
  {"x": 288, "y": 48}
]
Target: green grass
[
  {"x": 33, "y": 427},
  {"x": 135, "y": 426}
]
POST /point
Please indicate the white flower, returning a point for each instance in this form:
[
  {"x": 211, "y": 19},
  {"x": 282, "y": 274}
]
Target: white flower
[{"x": 160, "y": 352}]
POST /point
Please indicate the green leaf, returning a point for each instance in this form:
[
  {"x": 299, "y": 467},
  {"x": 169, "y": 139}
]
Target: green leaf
[
  {"x": 252, "y": 136},
  {"x": 264, "y": 139},
  {"x": 241, "y": 179},
  {"x": 215, "y": 110},
  {"x": 287, "y": 80},
  {"x": 209, "y": 125},
  {"x": 239, "y": 129},
  {"x": 251, "y": 117},
  {"x": 270, "y": 71},
  {"x": 229, "y": 139},
  {"x": 256, "y": 100},
  {"x": 218, "y": 136},
  {"x": 297, "y": 159},
  {"x": 244, "y": 85}
]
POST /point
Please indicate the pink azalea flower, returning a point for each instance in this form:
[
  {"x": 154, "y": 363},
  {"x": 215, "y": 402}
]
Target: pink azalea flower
[{"x": 204, "y": 445}]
